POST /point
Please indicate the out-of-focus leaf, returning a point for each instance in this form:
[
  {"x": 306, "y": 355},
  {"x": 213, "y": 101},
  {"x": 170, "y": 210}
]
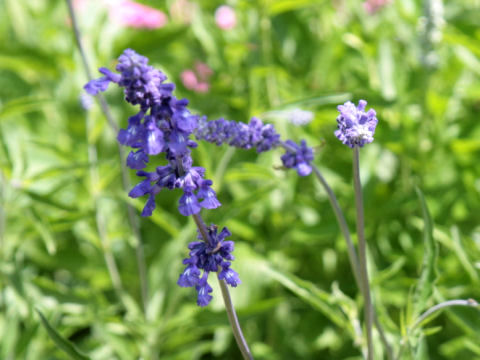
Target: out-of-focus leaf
[
  {"x": 43, "y": 229},
  {"x": 47, "y": 200},
  {"x": 22, "y": 105},
  {"x": 462, "y": 255},
  {"x": 60, "y": 341},
  {"x": 387, "y": 70},
  {"x": 308, "y": 292},
  {"x": 281, "y": 6},
  {"x": 428, "y": 276}
]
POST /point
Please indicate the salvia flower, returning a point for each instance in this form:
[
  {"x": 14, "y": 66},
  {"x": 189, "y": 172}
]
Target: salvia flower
[
  {"x": 355, "y": 126},
  {"x": 210, "y": 255},
  {"x": 255, "y": 134},
  {"x": 162, "y": 126}
]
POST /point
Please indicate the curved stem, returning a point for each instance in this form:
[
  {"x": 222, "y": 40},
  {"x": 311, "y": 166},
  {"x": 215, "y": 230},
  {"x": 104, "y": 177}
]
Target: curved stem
[
  {"x": 132, "y": 219},
  {"x": 362, "y": 249},
  {"x": 232, "y": 315},
  {"x": 352, "y": 254},
  {"x": 434, "y": 309}
]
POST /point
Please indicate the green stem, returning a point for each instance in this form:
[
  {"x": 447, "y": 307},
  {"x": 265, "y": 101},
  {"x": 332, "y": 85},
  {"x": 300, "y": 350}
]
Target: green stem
[
  {"x": 362, "y": 249},
  {"x": 352, "y": 254},
  {"x": 232, "y": 315},
  {"x": 132, "y": 219}
]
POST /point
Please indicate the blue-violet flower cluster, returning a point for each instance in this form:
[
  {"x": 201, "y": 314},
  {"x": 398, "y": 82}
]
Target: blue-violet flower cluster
[
  {"x": 255, "y": 135},
  {"x": 163, "y": 125},
  {"x": 355, "y": 126},
  {"x": 211, "y": 255}
]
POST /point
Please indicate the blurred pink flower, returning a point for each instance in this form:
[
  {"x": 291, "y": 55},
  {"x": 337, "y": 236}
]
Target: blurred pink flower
[
  {"x": 202, "y": 87},
  {"x": 189, "y": 79},
  {"x": 136, "y": 15},
  {"x": 225, "y": 17},
  {"x": 197, "y": 80},
  {"x": 80, "y": 5},
  {"x": 372, "y": 6},
  {"x": 203, "y": 70}
]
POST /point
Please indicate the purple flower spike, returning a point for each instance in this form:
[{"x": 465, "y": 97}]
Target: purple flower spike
[
  {"x": 238, "y": 134},
  {"x": 355, "y": 126}
]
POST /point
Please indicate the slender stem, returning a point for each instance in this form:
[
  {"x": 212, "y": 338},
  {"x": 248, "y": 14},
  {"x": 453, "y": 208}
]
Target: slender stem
[
  {"x": 450, "y": 303},
  {"x": 100, "y": 218},
  {"x": 132, "y": 219},
  {"x": 434, "y": 309},
  {"x": 232, "y": 315},
  {"x": 362, "y": 249},
  {"x": 352, "y": 254}
]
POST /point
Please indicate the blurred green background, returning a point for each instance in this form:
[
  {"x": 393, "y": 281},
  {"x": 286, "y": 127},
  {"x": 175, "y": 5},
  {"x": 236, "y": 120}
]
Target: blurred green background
[{"x": 416, "y": 63}]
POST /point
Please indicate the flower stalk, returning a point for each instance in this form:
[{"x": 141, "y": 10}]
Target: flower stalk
[
  {"x": 362, "y": 250},
  {"x": 133, "y": 222}
]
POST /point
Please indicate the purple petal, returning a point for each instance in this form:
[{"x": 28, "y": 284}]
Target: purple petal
[
  {"x": 137, "y": 160},
  {"x": 188, "y": 204},
  {"x": 93, "y": 87}
]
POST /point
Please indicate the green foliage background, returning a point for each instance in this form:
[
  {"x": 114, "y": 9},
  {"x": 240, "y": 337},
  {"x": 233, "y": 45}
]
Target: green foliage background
[{"x": 298, "y": 299}]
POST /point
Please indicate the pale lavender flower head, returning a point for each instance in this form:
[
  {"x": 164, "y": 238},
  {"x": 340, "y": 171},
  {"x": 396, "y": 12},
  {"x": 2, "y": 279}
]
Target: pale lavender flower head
[
  {"x": 300, "y": 117},
  {"x": 355, "y": 126}
]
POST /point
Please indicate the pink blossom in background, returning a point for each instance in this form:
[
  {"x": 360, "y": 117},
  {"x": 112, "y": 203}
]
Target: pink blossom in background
[
  {"x": 225, "y": 17},
  {"x": 80, "y": 5},
  {"x": 372, "y": 6},
  {"x": 189, "y": 79},
  {"x": 203, "y": 70},
  {"x": 202, "y": 87},
  {"x": 197, "y": 80},
  {"x": 136, "y": 15}
]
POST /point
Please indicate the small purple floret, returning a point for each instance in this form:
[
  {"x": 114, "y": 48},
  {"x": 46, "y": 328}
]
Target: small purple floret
[
  {"x": 298, "y": 157},
  {"x": 355, "y": 126},
  {"x": 211, "y": 255}
]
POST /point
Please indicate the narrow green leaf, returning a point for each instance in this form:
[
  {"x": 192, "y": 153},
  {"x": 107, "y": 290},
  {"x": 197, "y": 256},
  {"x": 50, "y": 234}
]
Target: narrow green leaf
[
  {"x": 428, "y": 277},
  {"x": 305, "y": 290},
  {"x": 22, "y": 105},
  {"x": 65, "y": 345},
  {"x": 387, "y": 70},
  {"x": 463, "y": 258},
  {"x": 47, "y": 200}
]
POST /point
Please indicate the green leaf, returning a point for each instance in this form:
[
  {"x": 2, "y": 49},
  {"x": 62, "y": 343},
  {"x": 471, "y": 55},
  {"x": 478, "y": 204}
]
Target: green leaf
[
  {"x": 305, "y": 290},
  {"x": 428, "y": 277},
  {"x": 278, "y": 7},
  {"x": 22, "y": 105},
  {"x": 65, "y": 345},
  {"x": 387, "y": 70}
]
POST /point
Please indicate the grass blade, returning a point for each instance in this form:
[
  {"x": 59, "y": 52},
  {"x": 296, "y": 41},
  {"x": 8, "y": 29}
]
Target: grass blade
[{"x": 60, "y": 341}]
